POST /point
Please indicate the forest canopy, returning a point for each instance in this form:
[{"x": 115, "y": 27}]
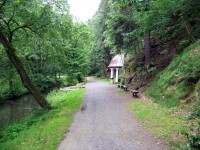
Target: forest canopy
[
  {"x": 127, "y": 26},
  {"x": 49, "y": 45}
]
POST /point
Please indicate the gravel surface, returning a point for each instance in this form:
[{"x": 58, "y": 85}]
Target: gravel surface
[{"x": 105, "y": 123}]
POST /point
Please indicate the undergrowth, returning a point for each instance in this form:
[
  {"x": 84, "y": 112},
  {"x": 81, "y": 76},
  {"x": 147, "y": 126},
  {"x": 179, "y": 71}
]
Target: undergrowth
[
  {"x": 177, "y": 83},
  {"x": 179, "y": 86},
  {"x": 44, "y": 129},
  {"x": 6, "y": 92},
  {"x": 193, "y": 130}
]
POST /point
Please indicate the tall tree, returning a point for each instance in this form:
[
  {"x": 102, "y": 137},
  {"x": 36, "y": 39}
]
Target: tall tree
[
  {"x": 100, "y": 51},
  {"x": 22, "y": 72},
  {"x": 147, "y": 51},
  {"x": 10, "y": 29}
]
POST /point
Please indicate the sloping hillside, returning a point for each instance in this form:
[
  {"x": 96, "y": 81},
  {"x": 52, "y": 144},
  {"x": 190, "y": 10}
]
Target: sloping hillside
[
  {"x": 179, "y": 86},
  {"x": 175, "y": 115},
  {"x": 179, "y": 82}
]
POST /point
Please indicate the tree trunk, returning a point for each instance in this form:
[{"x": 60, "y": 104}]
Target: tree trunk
[
  {"x": 107, "y": 50},
  {"x": 10, "y": 78},
  {"x": 79, "y": 78},
  {"x": 147, "y": 51},
  {"x": 22, "y": 72}
]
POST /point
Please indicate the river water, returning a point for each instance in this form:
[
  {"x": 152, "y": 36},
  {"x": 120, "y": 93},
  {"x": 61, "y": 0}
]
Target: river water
[{"x": 15, "y": 110}]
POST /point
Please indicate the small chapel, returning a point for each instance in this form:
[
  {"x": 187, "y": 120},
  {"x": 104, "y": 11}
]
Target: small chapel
[{"x": 115, "y": 66}]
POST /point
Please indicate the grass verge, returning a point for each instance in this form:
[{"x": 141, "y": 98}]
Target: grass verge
[
  {"x": 164, "y": 123},
  {"x": 44, "y": 129}
]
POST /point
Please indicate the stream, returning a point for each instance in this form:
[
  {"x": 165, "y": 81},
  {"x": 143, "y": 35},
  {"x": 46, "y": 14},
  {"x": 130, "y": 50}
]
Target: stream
[{"x": 16, "y": 109}]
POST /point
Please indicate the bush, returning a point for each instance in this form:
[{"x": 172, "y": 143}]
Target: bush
[
  {"x": 17, "y": 89},
  {"x": 193, "y": 134},
  {"x": 71, "y": 81},
  {"x": 45, "y": 83}
]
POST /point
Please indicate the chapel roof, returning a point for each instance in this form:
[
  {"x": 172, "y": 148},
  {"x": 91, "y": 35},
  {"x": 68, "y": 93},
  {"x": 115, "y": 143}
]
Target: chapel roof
[{"x": 117, "y": 61}]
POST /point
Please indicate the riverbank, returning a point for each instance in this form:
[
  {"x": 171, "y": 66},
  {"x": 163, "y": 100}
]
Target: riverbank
[
  {"x": 43, "y": 129},
  {"x": 18, "y": 91},
  {"x": 14, "y": 110}
]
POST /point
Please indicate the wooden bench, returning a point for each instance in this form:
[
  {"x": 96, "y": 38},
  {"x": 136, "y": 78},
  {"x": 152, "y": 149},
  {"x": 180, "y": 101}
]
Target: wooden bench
[
  {"x": 125, "y": 87},
  {"x": 135, "y": 92},
  {"x": 119, "y": 85}
]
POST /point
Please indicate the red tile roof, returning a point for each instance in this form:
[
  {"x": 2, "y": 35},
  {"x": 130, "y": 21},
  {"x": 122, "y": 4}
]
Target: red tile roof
[{"x": 117, "y": 62}]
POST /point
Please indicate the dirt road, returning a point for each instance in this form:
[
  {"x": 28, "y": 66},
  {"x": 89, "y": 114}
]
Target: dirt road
[{"x": 105, "y": 123}]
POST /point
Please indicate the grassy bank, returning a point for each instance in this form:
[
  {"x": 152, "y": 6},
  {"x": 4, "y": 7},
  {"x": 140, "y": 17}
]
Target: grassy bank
[
  {"x": 178, "y": 83},
  {"x": 44, "y": 129},
  {"x": 175, "y": 93},
  {"x": 17, "y": 90},
  {"x": 165, "y": 123}
]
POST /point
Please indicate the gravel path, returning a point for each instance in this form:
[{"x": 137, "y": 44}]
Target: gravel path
[{"x": 104, "y": 123}]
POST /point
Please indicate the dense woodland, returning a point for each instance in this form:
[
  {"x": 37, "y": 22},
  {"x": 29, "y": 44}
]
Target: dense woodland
[
  {"x": 147, "y": 29},
  {"x": 42, "y": 48}
]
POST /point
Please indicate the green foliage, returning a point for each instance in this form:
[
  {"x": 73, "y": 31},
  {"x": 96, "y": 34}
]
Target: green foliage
[
  {"x": 120, "y": 24},
  {"x": 180, "y": 76},
  {"x": 179, "y": 83},
  {"x": 100, "y": 54},
  {"x": 44, "y": 129},
  {"x": 120, "y": 27},
  {"x": 47, "y": 42},
  {"x": 17, "y": 89},
  {"x": 163, "y": 14},
  {"x": 77, "y": 60},
  {"x": 192, "y": 133},
  {"x": 46, "y": 82}
]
